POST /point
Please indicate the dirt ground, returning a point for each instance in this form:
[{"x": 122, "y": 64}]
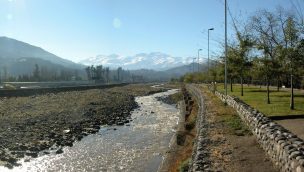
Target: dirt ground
[
  {"x": 232, "y": 147},
  {"x": 31, "y": 125},
  {"x": 293, "y": 125},
  {"x": 248, "y": 156}
]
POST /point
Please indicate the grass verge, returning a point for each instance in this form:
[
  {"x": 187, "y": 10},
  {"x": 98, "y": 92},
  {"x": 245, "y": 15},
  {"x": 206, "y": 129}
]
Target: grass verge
[
  {"x": 232, "y": 147},
  {"x": 279, "y": 100},
  {"x": 226, "y": 115}
]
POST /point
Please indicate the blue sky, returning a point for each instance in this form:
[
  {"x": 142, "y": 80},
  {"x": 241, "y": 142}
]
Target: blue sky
[{"x": 77, "y": 29}]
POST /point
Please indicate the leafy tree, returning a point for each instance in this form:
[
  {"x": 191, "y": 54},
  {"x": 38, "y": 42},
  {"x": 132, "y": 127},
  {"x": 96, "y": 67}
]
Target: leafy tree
[
  {"x": 119, "y": 74},
  {"x": 99, "y": 72},
  {"x": 291, "y": 38},
  {"x": 264, "y": 29},
  {"x": 88, "y": 71},
  {"x": 107, "y": 74},
  {"x": 36, "y": 73}
]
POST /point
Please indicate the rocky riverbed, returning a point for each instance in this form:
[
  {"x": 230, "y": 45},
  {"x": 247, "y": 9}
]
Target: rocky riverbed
[
  {"x": 40, "y": 124},
  {"x": 171, "y": 99}
]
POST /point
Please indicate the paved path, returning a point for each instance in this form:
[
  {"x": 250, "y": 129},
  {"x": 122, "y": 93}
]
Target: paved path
[{"x": 294, "y": 125}]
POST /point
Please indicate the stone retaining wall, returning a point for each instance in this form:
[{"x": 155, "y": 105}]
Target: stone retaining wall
[
  {"x": 285, "y": 148},
  {"x": 199, "y": 160}
]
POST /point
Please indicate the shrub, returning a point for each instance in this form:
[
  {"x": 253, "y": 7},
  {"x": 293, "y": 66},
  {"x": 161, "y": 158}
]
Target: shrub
[
  {"x": 180, "y": 138},
  {"x": 184, "y": 166}
]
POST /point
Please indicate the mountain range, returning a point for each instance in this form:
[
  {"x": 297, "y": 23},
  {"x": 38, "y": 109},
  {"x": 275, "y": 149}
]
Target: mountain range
[
  {"x": 155, "y": 61},
  {"x": 165, "y": 75},
  {"x": 14, "y": 49},
  {"x": 19, "y": 58}
]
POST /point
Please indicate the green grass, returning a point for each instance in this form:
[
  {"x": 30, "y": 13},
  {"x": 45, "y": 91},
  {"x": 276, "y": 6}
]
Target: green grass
[
  {"x": 236, "y": 124},
  {"x": 279, "y": 101},
  {"x": 176, "y": 97}
]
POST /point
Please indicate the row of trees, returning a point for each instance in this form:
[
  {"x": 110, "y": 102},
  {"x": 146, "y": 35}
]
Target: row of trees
[
  {"x": 98, "y": 73},
  {"x": 267, "y": 49},
  {"x": 47, "y": 74},
  {"x": 41, "y": 74},
  {"x": 104, "y": 75}
]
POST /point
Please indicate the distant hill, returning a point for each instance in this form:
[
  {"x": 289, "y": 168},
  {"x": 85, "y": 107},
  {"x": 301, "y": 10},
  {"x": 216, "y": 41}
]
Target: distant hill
[
  {"x": 19, "y": 58},
  {"x": 176, "y": 72},
  {"x": 22, "y": 66},
  {"x": 181, "y": 70},
  {"x": 14, "y": 49}
]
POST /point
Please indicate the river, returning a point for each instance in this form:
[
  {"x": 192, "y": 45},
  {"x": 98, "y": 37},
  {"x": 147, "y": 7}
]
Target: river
[{"x": 137, "y": 146}]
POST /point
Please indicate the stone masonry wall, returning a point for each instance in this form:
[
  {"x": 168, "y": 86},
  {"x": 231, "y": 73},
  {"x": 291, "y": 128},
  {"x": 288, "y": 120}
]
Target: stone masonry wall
[
  {"x": 285, "y": 148},
  {"x": 199, "y": 160}
]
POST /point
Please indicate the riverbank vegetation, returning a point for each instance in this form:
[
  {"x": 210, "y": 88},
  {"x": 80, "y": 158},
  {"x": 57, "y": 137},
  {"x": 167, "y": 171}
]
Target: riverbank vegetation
[
  {"x": 181, "y": 151},
  {"x": 189, "y": 132}
]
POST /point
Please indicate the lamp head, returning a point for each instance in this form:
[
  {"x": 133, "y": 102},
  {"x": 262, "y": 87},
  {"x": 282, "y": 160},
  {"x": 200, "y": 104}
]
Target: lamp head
[{"x": 211, "y": 29}]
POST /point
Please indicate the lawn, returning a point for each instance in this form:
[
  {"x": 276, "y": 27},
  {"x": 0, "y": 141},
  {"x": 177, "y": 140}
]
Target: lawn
[{"x": 279, "y": 101}]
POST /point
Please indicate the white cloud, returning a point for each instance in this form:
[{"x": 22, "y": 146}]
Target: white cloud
[{"x": 116, "y": 23}]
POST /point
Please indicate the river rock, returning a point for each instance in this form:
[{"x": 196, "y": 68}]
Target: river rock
[
  {"x": 32, "y": 154},
  {"x": 59, "y": 151}
]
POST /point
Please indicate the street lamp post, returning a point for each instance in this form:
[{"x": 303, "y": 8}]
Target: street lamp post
[
  {"x": 198, "y": 51},
  {"x": 208, "y": 46},
  {"x": 225, "y": 51},
  {"x": 193, "y": 65}
]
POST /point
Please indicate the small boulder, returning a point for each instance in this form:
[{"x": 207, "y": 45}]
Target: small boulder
[{"x": 59, "y": 151}]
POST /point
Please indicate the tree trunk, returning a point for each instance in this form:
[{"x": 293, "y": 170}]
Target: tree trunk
[
  {"x": 268, "y": 99},
  {"x": 242, "y": 89},
  {"x": 231, "y": 85},
  {"x": 291, "y": 96},
  {"x": 278, "y": 84},
  {"x": 225, "y": 85}
]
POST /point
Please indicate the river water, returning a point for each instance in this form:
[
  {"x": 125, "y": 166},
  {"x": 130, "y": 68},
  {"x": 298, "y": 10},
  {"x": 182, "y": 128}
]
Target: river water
[{"x": 138, "y": 146}]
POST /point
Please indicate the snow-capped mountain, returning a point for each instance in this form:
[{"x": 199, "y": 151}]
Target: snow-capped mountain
[{"x": 154, "y": 60}]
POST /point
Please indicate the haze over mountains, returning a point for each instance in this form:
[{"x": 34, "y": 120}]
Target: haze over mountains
[
  {"x": 155, "y": 66},
  {"x": 154, "y": 60},
  {"x": 20, "y": 58},
  {"x": 14, "y": 49}
]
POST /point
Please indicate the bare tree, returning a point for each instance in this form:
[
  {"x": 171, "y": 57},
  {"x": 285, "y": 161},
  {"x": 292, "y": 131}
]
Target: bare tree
[{"x": 264, "y": 29}]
